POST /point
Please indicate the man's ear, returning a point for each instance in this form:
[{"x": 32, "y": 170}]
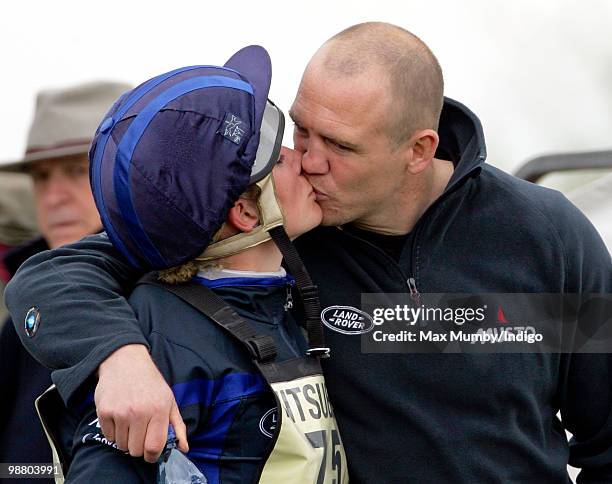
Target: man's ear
[
  {"x": 422, "y": 149},
  {"x": 243, "y": 216}
]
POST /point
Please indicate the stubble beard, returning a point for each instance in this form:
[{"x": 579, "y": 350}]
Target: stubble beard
[{"x": 336, "y": 217}]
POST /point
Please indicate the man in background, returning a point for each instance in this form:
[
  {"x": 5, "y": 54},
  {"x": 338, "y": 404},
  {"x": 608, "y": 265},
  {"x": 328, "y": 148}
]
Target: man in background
[{"x": 56, "y": 161}]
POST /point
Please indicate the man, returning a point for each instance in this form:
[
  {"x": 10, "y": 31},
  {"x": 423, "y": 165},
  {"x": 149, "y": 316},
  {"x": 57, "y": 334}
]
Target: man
[
  {"x": 56, "y": 161},
  {"x": 409, "y": 206}
]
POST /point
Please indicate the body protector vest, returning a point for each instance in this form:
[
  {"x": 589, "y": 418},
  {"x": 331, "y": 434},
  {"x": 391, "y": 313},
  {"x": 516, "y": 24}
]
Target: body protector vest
[{"x": 306, "y": 446}]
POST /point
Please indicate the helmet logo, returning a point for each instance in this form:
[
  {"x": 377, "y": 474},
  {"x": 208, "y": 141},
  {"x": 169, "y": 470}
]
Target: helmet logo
[{"x": 232, "y": 128}]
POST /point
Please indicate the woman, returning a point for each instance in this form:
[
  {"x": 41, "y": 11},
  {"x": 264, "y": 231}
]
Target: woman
[{"x": 190, "y": 181}]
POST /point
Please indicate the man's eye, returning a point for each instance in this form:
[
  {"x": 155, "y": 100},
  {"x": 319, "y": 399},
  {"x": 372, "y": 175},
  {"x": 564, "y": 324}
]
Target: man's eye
[
  {"x": 281, "y": 158},
  {"x": 38, "y": 177},
  {"x": 77, "y": 171},
  {"x": 338, "y": 146},
  {"x": 298, "y": 129}
]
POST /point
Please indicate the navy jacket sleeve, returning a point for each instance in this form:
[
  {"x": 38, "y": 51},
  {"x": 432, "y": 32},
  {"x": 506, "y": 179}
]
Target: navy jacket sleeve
[
  {"x": 79, "y": 291},
  {"x": 585, "y": 386}
]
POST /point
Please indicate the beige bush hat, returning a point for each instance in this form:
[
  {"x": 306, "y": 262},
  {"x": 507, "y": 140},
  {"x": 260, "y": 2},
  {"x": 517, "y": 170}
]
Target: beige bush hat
[{"x": 65, "y": 120}]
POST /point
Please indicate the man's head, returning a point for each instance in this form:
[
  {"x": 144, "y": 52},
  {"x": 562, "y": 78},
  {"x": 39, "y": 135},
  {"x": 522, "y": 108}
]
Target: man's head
[
  {"x": 65, "y": 209},
  {"x": 366, "y": 114},
  {"x": 56, "y": 158}
]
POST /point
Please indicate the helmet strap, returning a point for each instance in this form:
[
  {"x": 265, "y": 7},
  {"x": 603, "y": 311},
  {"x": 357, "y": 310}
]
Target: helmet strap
[{"x": 309, "y": 293}]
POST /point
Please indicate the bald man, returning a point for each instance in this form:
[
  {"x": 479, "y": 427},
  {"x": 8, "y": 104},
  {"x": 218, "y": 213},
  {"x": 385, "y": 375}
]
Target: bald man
[{"x": 409, "y": 206}]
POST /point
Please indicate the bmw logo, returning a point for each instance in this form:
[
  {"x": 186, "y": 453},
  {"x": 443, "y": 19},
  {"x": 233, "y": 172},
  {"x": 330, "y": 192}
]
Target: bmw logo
[{"x": 32, "y": 321}]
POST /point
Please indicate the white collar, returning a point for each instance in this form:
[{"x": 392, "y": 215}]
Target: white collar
[{"x": 214, "y": 273}]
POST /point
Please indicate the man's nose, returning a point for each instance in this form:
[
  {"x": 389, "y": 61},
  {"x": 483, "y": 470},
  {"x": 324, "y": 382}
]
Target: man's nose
[
  {"x": 314, "y": 160},
  {"x": 58, "y": 190}
]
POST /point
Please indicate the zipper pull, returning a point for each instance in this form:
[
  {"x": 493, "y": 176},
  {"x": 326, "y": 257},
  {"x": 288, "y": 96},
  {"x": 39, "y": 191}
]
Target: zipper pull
[
  {"x": 414, "y": 292},
  {"x": 289, "y": 300}
]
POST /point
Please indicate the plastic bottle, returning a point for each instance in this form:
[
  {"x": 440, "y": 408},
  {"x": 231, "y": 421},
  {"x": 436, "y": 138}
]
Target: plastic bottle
[{"x": 174, "y": 467}]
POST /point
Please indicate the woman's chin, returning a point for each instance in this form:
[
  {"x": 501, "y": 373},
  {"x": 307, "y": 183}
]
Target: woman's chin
[{"x": 295, "y": 232}]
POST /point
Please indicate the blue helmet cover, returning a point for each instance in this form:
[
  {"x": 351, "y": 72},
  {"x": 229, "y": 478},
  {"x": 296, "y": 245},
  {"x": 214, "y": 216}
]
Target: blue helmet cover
[{"x": 173, "y": 155}]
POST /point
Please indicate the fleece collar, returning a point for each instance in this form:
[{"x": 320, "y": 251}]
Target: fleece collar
[{"x": 461, "y": 141}]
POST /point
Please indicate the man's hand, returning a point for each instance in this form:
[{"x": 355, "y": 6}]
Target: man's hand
[{"x": 135, "y": 404}]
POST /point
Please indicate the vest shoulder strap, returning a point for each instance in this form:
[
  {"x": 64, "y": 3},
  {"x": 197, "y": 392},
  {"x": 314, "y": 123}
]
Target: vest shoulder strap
[{"x": 262, "y": 348}]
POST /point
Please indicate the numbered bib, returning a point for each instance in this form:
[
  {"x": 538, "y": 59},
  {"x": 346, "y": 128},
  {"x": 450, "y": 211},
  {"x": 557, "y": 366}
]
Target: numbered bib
[{"x": 307, "y": 447}]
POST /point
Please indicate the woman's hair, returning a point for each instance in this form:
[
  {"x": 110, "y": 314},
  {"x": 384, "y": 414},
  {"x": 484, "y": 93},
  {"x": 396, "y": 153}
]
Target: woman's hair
[{"x": 186, "y": 271}]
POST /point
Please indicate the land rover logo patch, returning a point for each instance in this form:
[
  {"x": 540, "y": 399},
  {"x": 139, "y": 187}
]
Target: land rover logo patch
[{"x": 347, "y": 320}]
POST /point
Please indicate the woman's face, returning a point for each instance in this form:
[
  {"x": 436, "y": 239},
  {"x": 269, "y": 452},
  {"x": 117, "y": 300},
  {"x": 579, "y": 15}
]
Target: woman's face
[{"x": 295, "y": 195}]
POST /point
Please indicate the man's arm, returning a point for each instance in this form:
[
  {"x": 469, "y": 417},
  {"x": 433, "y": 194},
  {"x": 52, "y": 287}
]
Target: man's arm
[
  {"x": 86, "y": 325},
  {"x": 585, "y": 385}
]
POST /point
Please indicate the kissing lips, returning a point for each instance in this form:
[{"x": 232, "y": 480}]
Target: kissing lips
[{"x": 320, "y": 195}]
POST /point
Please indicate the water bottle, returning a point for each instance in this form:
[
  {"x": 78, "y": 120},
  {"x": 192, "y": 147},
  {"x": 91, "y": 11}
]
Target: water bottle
[{"x": 174, "y": 467}]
